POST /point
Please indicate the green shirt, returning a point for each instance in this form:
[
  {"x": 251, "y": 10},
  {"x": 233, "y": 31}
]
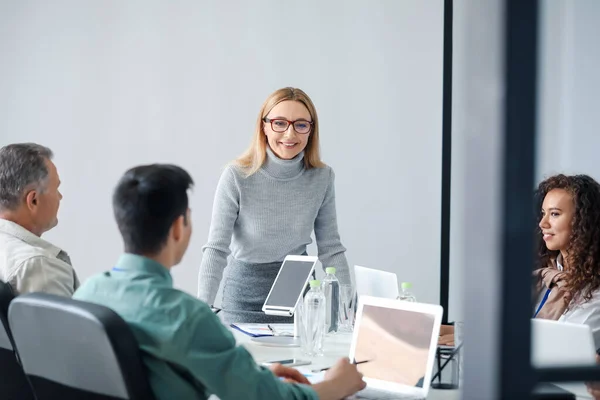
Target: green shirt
[{"x": 180, "y": 335}]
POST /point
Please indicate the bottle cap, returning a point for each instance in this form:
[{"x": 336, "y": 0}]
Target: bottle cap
[
  {"x": 330, "y": 270},
  {"x": 406, "y": 285},
  {"x": 315, "y": 283}
]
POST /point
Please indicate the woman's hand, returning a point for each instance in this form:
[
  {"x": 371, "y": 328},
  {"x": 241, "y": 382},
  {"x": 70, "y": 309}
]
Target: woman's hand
[
  {"x": 288, "y": 374},
  {"x": 594, "y": 387},
  {"x": 446, "y": 337}
]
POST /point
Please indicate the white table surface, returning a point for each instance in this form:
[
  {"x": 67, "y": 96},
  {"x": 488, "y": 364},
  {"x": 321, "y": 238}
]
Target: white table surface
[
  {"x": 335, "y": 348},
  {"x": 338, "y": 346}
]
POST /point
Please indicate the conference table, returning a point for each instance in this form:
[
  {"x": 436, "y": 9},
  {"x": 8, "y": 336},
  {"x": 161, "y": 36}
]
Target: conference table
[
  {"x": 338, "y": 346},
  {"x": 335, "y": 347}
]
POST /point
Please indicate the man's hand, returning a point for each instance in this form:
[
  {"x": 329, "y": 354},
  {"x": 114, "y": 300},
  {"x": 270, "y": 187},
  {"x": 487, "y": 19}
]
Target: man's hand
[
  {"x": 446, "y": 337},
  {"x": 342, "y": 380},
  {"x": 347, "y": 373},
  {"x": 288, "y": 374}
]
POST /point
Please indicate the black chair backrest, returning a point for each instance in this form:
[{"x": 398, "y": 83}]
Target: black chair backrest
[
  {"x": 13, "y": 382},
  {"x": 72, "y": 349}
]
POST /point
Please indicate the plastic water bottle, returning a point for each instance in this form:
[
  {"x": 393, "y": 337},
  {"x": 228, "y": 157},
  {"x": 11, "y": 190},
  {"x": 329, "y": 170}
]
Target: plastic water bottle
[
  {"x": 405, "y": 294},
  {"x": 331, "y": 290},
  {"x": 313, "y": 319}
]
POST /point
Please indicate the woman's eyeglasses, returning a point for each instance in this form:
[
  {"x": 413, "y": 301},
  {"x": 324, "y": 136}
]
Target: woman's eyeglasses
[{"x": 281, "y": 125}]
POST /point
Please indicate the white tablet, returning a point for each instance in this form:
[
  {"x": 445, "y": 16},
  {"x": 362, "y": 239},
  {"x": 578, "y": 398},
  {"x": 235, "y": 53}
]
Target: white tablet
[{"x": 289, "y": 285}]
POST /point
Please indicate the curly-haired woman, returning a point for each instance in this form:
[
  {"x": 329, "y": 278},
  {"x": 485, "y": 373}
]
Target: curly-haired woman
[
  {"x": 567, "y": 281},
  {"x": 567, "y": 276}
]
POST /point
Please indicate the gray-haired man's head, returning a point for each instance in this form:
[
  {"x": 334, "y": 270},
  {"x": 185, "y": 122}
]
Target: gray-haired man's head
[{"x": 29, "y": 186}]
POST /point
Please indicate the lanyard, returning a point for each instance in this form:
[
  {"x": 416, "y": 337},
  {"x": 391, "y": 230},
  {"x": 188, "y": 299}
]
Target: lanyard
[{"x": 542, "y": 303}]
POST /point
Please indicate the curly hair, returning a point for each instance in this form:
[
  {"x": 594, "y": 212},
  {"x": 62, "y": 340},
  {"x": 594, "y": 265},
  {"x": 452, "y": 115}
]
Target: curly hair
[{"x": 583, "y": 253}]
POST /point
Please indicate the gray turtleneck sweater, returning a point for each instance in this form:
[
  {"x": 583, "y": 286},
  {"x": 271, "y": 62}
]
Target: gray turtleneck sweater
[{"x": 268, "y": 215}]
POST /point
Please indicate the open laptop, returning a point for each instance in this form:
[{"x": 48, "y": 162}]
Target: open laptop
[
  {"x": 374, "y": 282},
  {"x": 399, "y": 339}
]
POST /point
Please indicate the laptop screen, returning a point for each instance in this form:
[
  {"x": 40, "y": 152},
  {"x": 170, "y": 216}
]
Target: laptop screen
[
  {"x": 397, "y": 342},
  {"x": 373, "y": 282}
]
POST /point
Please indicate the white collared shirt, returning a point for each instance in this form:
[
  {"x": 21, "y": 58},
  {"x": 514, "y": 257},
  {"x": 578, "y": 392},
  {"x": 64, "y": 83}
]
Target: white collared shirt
[
  {"x": 587, "y": 313},
  {"x": 30, "y": 264}
]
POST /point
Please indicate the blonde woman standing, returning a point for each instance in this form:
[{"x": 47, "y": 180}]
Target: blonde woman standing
[{"x": 267, "y": 204}]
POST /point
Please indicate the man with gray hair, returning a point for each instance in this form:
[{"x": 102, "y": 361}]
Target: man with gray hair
[{"x": 29, "y": 201}]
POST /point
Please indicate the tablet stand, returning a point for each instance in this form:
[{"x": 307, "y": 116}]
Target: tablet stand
[
  {"x": 289, "y": 341},
  {"x": 283, "y": 341}
]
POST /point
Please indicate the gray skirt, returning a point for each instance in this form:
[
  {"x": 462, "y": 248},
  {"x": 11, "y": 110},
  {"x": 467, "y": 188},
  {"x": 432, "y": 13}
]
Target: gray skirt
[{"x": 245, "y": 289}]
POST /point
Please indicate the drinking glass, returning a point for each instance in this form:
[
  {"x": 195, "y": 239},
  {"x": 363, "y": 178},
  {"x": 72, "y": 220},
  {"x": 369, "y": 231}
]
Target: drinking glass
[{"x": 347, "y": 308}]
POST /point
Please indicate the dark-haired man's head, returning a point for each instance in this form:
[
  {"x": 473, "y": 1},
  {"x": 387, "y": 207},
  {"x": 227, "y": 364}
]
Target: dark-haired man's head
[{"x": 150, "y": 205}]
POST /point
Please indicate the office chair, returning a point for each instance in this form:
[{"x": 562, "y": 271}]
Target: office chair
[
  {"x": 13, "y": 382},
  {"x": 71, "y": 349}
]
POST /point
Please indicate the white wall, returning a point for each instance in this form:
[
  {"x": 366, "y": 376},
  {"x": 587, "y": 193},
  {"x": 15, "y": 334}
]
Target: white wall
[
  {"x": 111, "y": 84},
  {"x": 569, "y": 117}
]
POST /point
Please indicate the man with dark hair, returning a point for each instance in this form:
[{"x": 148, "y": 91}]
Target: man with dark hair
[
  {"x": 188, "y": 351},
  {"x": 29, "y": 201}
]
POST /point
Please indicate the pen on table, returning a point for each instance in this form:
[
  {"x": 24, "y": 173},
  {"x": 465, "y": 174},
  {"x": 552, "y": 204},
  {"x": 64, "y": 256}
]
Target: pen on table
[
  {"x": 275, "y": 333},
  {"x": 355, "y": 362}
]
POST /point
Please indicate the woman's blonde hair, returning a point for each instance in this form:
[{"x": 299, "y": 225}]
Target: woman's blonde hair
[{"x": 255, "y": 156}]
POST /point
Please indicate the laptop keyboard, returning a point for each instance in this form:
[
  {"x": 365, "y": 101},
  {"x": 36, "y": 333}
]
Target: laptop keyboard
[{"x": 369, "y": 393}]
